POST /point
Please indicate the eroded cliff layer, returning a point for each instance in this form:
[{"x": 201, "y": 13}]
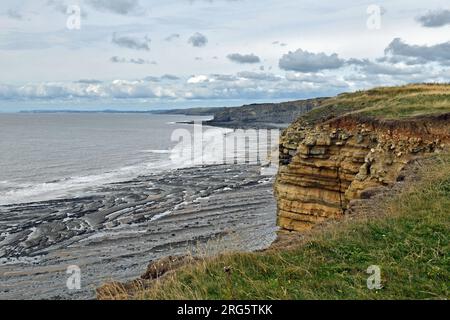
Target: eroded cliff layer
[{"x": 325, "y": 164}]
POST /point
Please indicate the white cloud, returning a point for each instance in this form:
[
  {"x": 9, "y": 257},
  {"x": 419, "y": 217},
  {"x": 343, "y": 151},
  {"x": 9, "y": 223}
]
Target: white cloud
[{"x": 199, "y": 79}]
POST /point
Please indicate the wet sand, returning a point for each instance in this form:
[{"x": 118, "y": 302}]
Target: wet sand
[{"x": 117, "y": 229}]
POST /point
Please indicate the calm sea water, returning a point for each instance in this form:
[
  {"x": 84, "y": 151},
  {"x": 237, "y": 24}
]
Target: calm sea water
[{"x": 50, "y": 156}]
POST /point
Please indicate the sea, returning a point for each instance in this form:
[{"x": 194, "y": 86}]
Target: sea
[
  {"x": 46, "y": 156},
  {"x": 50, "y": 156}
]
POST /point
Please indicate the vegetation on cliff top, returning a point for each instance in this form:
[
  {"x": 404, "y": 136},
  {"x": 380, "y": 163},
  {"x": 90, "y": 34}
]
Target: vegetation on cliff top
[
  {"x": 386, "y": 103},
  {"x": 409, "y": 240}
]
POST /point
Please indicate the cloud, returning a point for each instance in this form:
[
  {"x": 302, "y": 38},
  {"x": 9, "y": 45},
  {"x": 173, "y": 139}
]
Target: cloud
[
  {"x": 198, "y": 40},
  {"x": 258, "y": 76},
  {"x": 122, "y": 7},
  {"x": 117, "y": 59},
  {"x": 89, "y": 81},
  {"x": 152, "y": 79},
  {"x": 14, "y": 14},
  {"x": 172, "y": 37},
  {"x": 62, "y": 7},
  {"x": 132, "y": 43},
  {"x": 199, "y": 79},
  {"x": 278, "y": 43},
  {"x": 167, "y": 77},
  {"x": 117, "y": 89},
  {"x": 224, "y": 77},
  {"x": 422, "y": 54},
  {"x": 170, "y": 77},
  {"x": 244, "y": 58},
  {"x": 317, "y": 79},
  {"x": 304, "y": 61},
  {"x": 58, "y": 6},
  {"x": 435, "y": 19},
  {"x": 369, "y": 67}
]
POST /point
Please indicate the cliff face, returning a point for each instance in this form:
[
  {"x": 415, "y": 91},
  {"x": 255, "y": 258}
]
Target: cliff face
[
  {"x": 268, "y": 115},
  {"x": 325, "y": 166}
]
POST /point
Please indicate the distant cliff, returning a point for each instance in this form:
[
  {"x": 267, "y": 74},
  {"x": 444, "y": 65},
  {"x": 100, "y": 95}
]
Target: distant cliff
[
  {"x": 268, "y": 115},
  {"x": 264, "y": 115},
  {"x": 354, "y": 144}
]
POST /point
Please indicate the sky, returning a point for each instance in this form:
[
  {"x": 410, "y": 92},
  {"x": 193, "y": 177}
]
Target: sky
[{"x": 148, "y": 54}]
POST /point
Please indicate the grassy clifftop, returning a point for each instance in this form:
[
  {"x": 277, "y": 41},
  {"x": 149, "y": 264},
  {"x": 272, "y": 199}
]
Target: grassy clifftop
[{"x": 386, "y": 103}]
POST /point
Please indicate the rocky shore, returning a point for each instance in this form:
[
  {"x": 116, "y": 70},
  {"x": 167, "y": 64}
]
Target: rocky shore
[{"x": 114, "y": 231}]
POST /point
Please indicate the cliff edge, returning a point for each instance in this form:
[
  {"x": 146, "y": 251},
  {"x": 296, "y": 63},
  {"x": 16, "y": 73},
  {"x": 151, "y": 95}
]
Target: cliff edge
[{"x": 353, "y": 145}]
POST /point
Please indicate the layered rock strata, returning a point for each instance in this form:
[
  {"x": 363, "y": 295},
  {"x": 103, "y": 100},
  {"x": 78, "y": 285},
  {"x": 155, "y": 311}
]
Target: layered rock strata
[{"x": 324, "y": 167}]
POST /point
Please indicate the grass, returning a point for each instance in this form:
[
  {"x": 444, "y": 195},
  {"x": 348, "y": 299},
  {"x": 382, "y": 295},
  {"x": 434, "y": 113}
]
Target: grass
[
  {"x": 408, "y": 240},
  {"x": 386, "y": 103}
]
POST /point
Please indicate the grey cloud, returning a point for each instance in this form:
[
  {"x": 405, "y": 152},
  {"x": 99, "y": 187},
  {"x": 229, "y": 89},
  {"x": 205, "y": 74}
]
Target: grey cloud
[
  {"x": 434, "y": 19},
  {"x": 244, "y": 58},
  {"x": 61, "y": 7},
  {"x": 141, "y": 61},
  {"x": 170, "y": 77},
  {"x": 223, "y": 77},
  {"x": 278, "y": 43},
  {"x": 14, "y": 14},
  {"x": 132, "y": 43},
  {"x": 117, "y": 59},
  {"x": 369, "y": 67},
  {"x": 304, "y": 61},
  {"x": 167, "y": 77},
  {"x": 435, "y": 53},
  {"x": 399, "y": 59},
  {"x": 172, "y": 37},
  {"x": 198, "y": 40},
  {"x": 122, "y": 7},
  {"x": 152, "y": 79},
  {"x": 58, "y": 6}
]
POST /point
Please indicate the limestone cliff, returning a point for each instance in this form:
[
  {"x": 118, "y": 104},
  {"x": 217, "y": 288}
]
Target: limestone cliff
[
  {"x": 266, "y": 115},
  {"x": 345, "y": 150}
]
